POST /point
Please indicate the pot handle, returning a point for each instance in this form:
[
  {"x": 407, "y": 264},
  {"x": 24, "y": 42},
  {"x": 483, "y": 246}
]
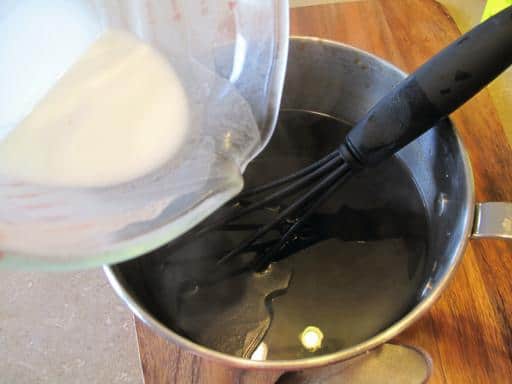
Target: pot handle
[
  {"x": 493, "y": 220},
  {"x": 389, "y": 363}
]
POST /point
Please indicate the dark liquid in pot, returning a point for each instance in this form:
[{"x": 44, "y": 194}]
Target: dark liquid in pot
[{"x": 357, "y": 269}]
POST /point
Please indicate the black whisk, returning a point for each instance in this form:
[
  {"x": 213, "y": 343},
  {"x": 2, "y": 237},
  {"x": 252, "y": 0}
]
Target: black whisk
[{"x": 435, "y": 90}]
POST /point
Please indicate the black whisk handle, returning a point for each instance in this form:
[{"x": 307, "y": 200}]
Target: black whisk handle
[{"x": 435, "y": 90}]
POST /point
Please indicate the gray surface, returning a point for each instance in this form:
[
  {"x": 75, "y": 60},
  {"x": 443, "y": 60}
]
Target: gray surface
[{"x": 65, "y": 328}]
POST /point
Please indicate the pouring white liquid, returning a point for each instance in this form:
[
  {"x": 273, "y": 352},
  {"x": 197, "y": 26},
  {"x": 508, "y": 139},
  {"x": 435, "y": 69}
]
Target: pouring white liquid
[{"x": 118, "y": 113}]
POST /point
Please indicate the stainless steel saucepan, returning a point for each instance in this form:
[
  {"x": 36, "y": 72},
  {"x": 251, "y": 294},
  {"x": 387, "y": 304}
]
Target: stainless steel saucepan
[{"x": 344, "y": 82}]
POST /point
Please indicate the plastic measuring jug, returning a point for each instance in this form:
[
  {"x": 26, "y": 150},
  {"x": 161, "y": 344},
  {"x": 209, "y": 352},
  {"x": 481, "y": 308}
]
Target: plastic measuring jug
[{"x": 230, "y": 57}]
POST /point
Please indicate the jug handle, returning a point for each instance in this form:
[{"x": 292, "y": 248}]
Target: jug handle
[{"x": 493, "y": 220}]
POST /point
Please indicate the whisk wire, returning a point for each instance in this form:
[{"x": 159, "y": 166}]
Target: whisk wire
[
  {"x": 334, "y": 161},
  {"x": 325, "y": 183},
  {"x": 269, "y": 255},
  {"x": 292, "y": 177}
]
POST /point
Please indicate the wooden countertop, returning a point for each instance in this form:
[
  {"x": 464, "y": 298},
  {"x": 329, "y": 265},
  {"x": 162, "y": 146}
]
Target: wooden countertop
[{"x": 468, "y": 332}]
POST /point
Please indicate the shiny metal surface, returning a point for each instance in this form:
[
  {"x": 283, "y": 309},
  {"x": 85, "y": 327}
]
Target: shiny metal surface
[
  {"x": 493, "y": 220},
  {"x": 388, "y": 364},
  {"x": 344, "y": 82}
]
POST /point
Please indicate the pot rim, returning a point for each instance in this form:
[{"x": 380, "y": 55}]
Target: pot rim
[{"x": 345, "y": 354}]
